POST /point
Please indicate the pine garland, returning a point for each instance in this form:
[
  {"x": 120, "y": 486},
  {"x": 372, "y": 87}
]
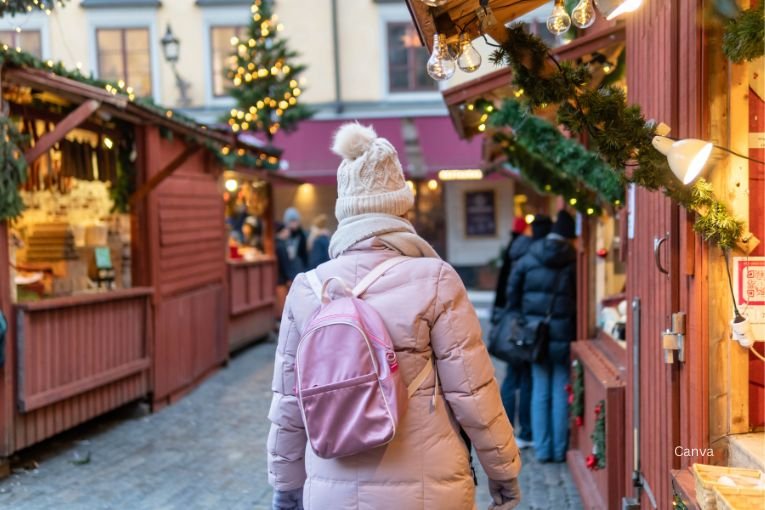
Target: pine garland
[
  {"x": 13, "y": 168},
  {"x": 597, "y": 459},
  {"x": 744, "y": 37},
  {"x": 14, "y": 7},
  {"x": 567, "y": 156},
  {"x": 617, "y": 131},
  {"x": 576, "y": 394}
]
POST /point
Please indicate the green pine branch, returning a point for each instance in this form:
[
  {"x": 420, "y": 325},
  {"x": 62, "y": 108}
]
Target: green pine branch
[{"x": 744, "y": 37}]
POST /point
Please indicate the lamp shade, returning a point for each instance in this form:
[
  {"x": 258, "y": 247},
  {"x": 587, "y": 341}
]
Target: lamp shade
[{"x": 686, "y": 158}]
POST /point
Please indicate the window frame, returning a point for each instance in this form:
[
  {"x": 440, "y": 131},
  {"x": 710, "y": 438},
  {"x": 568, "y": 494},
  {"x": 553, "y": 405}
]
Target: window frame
[
  {"x": 36, "y": 21},
  {"x": 410, "y": 66},
  {"x": 397, "y": 13},
  {"x": 211, "y": 78},
  {"x": 123, "y": 52},
  {"x": 14, "y": 37},
  {"x": 127, "y": 18}
]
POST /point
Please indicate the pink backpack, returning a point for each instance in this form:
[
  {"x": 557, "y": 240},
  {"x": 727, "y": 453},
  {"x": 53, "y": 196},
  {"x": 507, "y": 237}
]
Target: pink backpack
[{"x": 348, "y": 385}]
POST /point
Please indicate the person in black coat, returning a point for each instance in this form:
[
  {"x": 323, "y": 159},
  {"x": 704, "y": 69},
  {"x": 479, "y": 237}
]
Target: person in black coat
[
  {"x": 295, "y": 245},
  {"x": 518, "y": 375},
  {"x": 542, "y": 281}
]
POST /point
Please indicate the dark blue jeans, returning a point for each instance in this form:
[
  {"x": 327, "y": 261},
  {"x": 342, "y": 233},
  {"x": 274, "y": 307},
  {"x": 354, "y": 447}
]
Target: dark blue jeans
[
  {"x": 549, "y": 404},
  {"x": 518, "y": 378}
]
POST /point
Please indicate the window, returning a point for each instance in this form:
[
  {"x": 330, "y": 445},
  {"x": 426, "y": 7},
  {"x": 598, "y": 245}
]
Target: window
[
  {"x": 124, "y": 54},
  {"x": 28, "y": 40},
  {"x": 221, "y": 54},
  {"x": 407, "y": 60}
]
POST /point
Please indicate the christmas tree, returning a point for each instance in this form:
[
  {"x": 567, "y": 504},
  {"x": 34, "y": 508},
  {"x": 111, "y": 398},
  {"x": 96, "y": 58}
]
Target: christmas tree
[
  {"x": 266, "y": 80},
  {"x": 14, "y": 7}
]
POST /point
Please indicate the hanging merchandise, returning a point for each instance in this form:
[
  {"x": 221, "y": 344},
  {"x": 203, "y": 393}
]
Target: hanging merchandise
[
  {"x": 469, "y": 59},
  {"x": 612, "y": 9},
  {"x": 583, "y": 15},
  {"x": 441, "y": 65},
  {"x": 597, "y": 459},
  {"x": 559, "y": 21}
]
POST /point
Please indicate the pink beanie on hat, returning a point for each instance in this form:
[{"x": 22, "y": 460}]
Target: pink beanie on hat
[{"x": 370, "y": 178}]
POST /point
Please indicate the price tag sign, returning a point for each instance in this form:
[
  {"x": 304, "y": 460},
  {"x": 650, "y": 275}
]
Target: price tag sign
[{"x": 103, "y": 258}]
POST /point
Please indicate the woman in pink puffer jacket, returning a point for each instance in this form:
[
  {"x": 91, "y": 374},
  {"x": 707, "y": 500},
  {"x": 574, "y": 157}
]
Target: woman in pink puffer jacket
[{"x": 426, "y": 310}]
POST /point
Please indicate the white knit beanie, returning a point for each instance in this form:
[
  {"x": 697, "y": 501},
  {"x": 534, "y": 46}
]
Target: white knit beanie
[{"x": 370, "y": 178}]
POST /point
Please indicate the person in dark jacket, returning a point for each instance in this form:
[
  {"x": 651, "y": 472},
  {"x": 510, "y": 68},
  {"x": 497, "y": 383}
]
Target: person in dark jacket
[
  {"x": 295, "y": 244},
  {"x": 518, "y": 375},
  {"x": 318, "y": 242},
  {"x": 545, "y": 280}
]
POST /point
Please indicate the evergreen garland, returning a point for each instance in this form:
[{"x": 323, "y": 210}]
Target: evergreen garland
[
  {"x": 616, "y": 131},
  {"x": 13, "y": 168},
  {"x": 597, "y": 459},
  {"x": 576, "y": 394},
  {"x": 744, "y": 37},
  {"x": 567, "y": 156},
  {"x": 14, "y": 7}
]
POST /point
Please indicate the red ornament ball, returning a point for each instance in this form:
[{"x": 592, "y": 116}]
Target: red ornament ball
[{"x": 579, "y": 421}]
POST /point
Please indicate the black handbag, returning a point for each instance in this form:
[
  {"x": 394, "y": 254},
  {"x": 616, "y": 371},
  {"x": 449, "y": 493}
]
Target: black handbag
[{"x": 515, "y": 340}]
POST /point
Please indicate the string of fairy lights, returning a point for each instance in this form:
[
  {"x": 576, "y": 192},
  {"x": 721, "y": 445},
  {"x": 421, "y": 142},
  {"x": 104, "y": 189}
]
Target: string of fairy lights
[{"x": 21, "y": 6}]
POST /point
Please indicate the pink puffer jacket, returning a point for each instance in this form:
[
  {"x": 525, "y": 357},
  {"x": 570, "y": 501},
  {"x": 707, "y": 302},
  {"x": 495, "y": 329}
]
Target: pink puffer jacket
[{"x": 425, "y": 467}]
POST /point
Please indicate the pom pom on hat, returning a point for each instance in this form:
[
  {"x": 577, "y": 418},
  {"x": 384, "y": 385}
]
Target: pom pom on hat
[{"x": 352, "y": 140}]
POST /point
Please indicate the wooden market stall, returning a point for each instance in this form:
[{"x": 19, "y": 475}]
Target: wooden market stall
[
  {"x": 646, "y": 281},
  {"x": 105, "y": 307}
]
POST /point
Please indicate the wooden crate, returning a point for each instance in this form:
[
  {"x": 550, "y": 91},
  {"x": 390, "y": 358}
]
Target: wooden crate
[
  {"x": 731, "y": 498},
  {"x": 707, "y": 480}
]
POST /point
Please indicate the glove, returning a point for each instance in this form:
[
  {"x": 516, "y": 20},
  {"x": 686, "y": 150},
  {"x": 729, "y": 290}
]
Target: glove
[
  {"x": 506, "y": 494},
  {"x": 288, "y": 500}
]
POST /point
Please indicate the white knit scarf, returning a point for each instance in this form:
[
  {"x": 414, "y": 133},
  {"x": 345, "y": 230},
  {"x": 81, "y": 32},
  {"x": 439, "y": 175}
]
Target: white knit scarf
[{"x": 394, "y": 232}]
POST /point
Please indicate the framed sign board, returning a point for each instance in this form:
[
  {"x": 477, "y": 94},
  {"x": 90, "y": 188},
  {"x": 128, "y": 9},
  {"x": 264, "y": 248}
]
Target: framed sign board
[{"x": 480, "y": 214}]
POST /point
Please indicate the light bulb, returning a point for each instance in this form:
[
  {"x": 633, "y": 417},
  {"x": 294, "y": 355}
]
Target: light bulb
[
  {"x": 441, "y": 65},
  {"x": 434, "y": 3},
  {"x": 583, "y": 15},
  {"x": 559, "y": 21},
  {"x": 469, "y": 59}
]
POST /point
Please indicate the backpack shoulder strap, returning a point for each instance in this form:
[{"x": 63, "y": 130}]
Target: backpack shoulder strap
[
  {"x": 376, "y": 273},
  {"x": 314, "y": 282}
]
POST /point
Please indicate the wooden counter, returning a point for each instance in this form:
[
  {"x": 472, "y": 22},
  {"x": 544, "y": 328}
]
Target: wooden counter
[{"x": 252, "y": 287}]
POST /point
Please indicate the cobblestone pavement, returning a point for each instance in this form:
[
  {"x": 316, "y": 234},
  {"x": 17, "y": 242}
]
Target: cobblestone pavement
[{"x": 205, "y": 452}]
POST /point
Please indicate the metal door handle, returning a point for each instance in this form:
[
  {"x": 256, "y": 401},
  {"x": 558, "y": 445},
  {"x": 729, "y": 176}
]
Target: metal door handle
[{"x": 657, "y": 252}]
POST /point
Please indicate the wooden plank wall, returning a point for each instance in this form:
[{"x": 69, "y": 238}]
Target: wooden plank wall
[
  {"x": 252, "y": 288},
  {"x": 188, "y": 242},
  {"x": 652, "y": 76},
  {"x": 77, "y": 362}
]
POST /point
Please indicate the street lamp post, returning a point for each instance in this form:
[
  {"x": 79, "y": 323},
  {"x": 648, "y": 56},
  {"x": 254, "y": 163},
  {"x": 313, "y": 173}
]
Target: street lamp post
[{"x": 171, "y": 47}]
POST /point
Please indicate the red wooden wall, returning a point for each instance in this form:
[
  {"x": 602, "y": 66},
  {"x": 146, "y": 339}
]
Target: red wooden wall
[
  {"x": 251, "y": 301},
  {"x": 664, "y": 72},
  {"x": 187, "y": 242}
]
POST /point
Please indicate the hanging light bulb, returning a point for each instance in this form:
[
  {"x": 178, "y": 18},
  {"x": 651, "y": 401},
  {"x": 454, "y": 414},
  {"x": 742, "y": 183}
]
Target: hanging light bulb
[
  {"x": 434, "y": 3},
  {"x": 441, "y": 65},
  {"x": 469, "y": 59},
  {"x": 614, "y": 8},
  {"x": 559, "y": 21},
  {"x": 583, "y": 15}
]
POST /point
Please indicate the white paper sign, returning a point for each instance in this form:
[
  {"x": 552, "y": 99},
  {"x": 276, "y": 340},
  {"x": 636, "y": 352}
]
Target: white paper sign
[
  {"x": 631, "y": 211},
  {"x": 749, "y": 290}
]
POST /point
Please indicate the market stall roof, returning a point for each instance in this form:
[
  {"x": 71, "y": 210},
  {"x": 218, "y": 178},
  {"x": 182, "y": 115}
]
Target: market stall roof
[
  {"x": 425, "y": 145},
  {"x": 458, "y": 15},
  {"x": 119, "y": 106},
  {"x": 605, "y": 37}
]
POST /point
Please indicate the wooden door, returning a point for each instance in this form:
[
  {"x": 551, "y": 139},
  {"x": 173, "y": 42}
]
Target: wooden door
[{"x": 653, "y": 287}]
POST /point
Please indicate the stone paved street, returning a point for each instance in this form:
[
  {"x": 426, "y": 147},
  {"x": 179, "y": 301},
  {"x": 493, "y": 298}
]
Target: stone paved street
[{"x": 205, "y": 452}]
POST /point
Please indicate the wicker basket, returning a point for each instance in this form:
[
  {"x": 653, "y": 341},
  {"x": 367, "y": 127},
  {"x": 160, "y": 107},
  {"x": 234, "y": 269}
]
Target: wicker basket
[
  {"x": 707, "y": 480},
  {"x": 730, "y": 498}
]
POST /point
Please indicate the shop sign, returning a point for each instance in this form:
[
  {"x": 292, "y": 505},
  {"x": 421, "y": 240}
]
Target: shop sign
[
  {"x": 480, "y": 214},
  {"x": 749, "y": 289}
]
